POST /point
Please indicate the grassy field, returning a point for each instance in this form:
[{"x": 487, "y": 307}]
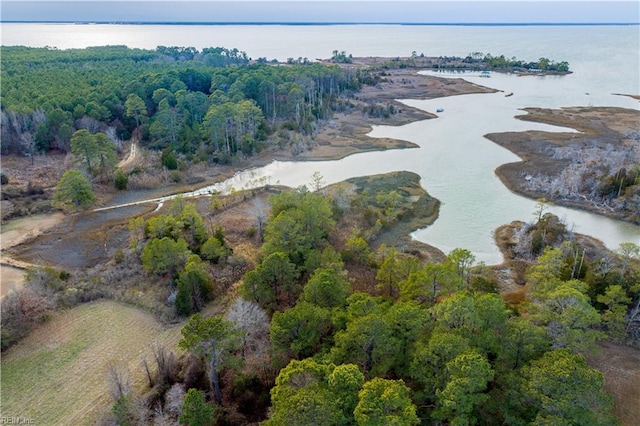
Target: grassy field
[
  {"x": 57, "y": 374},
  {"x": 621, "y": 368}
]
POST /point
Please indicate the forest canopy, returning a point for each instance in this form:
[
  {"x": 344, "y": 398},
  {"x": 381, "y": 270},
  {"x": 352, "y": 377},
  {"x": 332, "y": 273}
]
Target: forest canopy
[{"x": 213, "y": 103}]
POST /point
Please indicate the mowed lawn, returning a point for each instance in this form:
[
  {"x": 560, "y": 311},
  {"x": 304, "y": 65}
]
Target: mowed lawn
[{"x": 57, "y": 375}]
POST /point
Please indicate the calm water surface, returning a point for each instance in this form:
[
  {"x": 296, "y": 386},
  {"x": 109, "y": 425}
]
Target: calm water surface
[{"x": 455, "y": 162}]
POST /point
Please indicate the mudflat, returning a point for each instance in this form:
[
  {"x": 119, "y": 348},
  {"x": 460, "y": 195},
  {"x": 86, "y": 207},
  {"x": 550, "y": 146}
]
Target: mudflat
[{"x": 555, "y": 157}]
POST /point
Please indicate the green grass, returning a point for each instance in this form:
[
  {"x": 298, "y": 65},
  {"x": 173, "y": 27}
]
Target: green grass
[{"x": 57, "y": 374}]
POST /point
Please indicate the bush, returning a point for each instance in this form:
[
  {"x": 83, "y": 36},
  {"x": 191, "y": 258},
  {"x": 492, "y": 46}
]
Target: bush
[
  {"x": 34, "y": 189},
  {"x": 213, "y": 250},
  {"x": 168, "y": 159},
  {"x": 21, "y": 310},
  {"x": 196, "y": 411},
  {"x": 118, "y": 257},
  {"x": 121, "y": 181},
  {"x": 195, "y": 287},
  {"x": 250, "y": 232},
  {"x": 175, "y": 176}
]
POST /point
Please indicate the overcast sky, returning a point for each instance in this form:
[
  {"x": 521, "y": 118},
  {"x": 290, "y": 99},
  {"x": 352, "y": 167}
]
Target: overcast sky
[{"x": 331, "y": 11}]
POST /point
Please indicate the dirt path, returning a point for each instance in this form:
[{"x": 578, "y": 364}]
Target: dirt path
[{"x": 133, "y": 154}]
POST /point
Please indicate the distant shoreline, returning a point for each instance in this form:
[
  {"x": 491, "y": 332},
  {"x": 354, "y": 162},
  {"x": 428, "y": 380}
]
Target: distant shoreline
[{"x": 303, "y": 23}]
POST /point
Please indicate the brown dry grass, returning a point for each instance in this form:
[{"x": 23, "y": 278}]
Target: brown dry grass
[
  {"x": 621, "y": 368},
  {"x": 596, "y": 125},
  {"x": 57, "y": 374},
  {"x": 41, "y": 170}
]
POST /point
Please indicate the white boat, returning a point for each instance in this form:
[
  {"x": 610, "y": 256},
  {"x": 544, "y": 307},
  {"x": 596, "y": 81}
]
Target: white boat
[{"x": 440, "y": 110}]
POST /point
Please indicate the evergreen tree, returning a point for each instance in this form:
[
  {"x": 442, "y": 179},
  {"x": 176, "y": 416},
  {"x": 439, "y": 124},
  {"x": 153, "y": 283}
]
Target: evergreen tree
[{"x": 74, "y": 191}]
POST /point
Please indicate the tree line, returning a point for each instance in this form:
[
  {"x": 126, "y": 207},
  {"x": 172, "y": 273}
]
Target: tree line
[
  {"x": 211, "y": 104},
  {"x": 502, "y": 62}
]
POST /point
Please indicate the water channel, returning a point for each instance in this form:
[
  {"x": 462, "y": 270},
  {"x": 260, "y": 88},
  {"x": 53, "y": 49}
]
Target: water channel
[{"x": 456, "y": 165}]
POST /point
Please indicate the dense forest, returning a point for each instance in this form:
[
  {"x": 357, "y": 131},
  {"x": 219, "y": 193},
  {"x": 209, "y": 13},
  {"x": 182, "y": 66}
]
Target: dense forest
[
  {"x": 209, "y": 104},
  {"x": 303, "y": 317}
]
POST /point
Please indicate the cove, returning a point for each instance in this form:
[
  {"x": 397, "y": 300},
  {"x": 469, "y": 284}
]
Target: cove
[{"x": 456, "y": 165}]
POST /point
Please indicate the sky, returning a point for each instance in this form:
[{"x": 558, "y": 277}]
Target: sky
[{"x": 324, "y": 11}]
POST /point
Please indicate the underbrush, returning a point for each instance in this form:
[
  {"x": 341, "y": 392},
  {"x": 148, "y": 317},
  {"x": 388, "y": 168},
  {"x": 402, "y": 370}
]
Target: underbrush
[{"x": 18, "y": 201}]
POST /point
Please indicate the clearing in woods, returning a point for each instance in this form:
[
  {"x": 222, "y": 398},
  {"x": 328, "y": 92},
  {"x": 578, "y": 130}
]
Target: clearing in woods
[{"x": 57, "y": 375}]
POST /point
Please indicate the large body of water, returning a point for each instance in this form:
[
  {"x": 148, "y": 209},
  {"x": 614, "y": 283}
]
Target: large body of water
[{"x": 456, "y": 163}]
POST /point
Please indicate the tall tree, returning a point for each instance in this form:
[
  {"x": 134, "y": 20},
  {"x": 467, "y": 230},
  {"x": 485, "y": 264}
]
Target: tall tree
[
  {"x": 165, "y": 255},
  {"x": 522, "y": 342},
  {"x": 166, "y": 125},
  {"x": 427, "y": 283},
  {"x": 96, "y": 151},
  {"x": 344, "y": 383},
  {"x": 302, "y": 395},
  {"x": 194, "y": 286},
  {"x": 385, "y": 402},
  {"x": 469, "y": 374},
  {"x": 368, "y": 342},
  {"x": 564, "y": 390},
  {"x": 106, "y": 153},
  {"x": 272, "y": 284},
  {"x": 300, "y": 222},
  {"x": 135, "y": 108},
  {"x": 430, "y": 361},
  {"x": 409, "y": 322},
  {"x": 301, "y": 331},
  {"x": 252, "y": 323},
  {"x": 215, "y": 339},
  {"x": 74, "y": 190},
  {"x": 463, "y": 260},
  {"x": 84, "y": 147},
  {"x": 614, "y": 317},
  {"x": 628, "y": 251},
  {"x": 570, "y": 320},
  {"x": 326, "y": 289}
]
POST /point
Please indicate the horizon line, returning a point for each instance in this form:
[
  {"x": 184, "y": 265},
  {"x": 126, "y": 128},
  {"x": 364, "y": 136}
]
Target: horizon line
[{"x": 308, "y": 23}]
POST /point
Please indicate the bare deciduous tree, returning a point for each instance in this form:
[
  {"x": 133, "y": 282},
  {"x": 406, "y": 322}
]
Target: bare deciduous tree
[
  {"x": 174, "y": 399},
  {"x": 113, "y": 136},
  {"x": 88, "y": 123},
  {"x": 119, "y": 381},
  {"x": 253, "y": 323},
  {"x": 627, "y": 252},
  {"x": 167, "y": 366},
  {"x": 260, "y": 210},
  {"x": 317, "y": 181}
]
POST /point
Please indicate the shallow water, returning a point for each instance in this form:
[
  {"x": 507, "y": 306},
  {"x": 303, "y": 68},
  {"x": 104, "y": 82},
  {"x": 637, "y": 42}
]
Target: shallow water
[{"x": 456, "y": 164}]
